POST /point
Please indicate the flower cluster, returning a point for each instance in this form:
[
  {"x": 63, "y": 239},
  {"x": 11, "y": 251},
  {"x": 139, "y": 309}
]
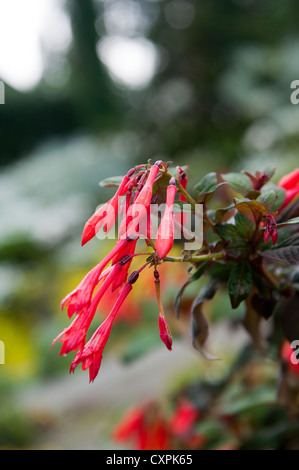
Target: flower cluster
[
  {"x": 239, "y": 241},
  {"x": 148, "y": 427},
  {"x": 112, "y": 273}
]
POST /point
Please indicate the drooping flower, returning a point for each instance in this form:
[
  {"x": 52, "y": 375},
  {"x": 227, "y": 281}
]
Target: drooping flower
[
  {"x": 145, "y": 427},
  {"x": 91, "y": 355},
  {"x": 184, "y": 418},
  {"x": 73, "y": 337},
  {"x": 271, "y": 229},
  {"x": 165, "y": 333},
  {"x": 111, "y": 277},
  {"x": 82, "y": 294},
  {"x": 137, "y": 211},
  {"x": 106, "y": 214},
  {"x": 290, "y": 183},
  {"x": 165, "y": 234}
]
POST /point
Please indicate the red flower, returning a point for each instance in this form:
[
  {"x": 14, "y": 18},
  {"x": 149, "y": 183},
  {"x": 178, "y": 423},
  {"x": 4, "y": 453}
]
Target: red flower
[
  {"x": 184, "y": 418},
  {"x": 165, "y": 235},
  {"x": 290, "y": 358},
  {"x": 91, "y": 356},
  {"x": 137, "y": 212},
  {"x": 165, "y": 333},
  {"x": 113, "y": 270},
  {"x": 290, "y": 183},
  {"x": 145, "y": 427},
  {"x": 106, "y": 214},
  {"x": 271, "y": 229},
  {"x": 73, "y": 337},
  {"x": 81, "y": 296}
]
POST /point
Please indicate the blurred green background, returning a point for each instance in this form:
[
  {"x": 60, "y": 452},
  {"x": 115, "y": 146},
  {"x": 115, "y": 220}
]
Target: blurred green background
[{"x": 91, "y": 89}]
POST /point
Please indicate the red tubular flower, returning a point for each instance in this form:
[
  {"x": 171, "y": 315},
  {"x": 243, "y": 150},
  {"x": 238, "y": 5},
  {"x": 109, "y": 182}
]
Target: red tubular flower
[
  {"x": 138, "y": 210},
  {"x": 81, "y": 296},
  {"x": 290, "y": 358},
  {"x": 146, "y": 428},
  {"x": 91, "y": 356},
  {"x": 183, "y": 180},
  {"x": 184, "y": 418},
  {"x": 165, "y": 235},
  {"x": 106, "y": 214},
  {"x": 290, "y": 183},
  {"x": 74, "y": 336},
  {"x": 165, "y": 333},
  {"x": 121, "y": 279},
  {"x": 131, "y": 423},
  {"x": 271, "y": 229}
]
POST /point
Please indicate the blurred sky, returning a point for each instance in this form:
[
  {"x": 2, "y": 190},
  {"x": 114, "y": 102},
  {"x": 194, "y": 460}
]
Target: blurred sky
[{"x": 28, "y": 29}]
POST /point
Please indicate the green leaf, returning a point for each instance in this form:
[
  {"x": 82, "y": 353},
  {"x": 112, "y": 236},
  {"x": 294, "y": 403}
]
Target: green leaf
[
  {"x": 268, "y": 199},
  {"x": 240, "y": 283},
  {"x": 279, "y": 192},
  {"x": 219, "y": 271},
  {"x": 290, "y": 318},
  {"x": 195, "y": 276},
  {"x": 199, "y": 324},
  {"x": 239, "y": 247},
  {"x": 290, "y": 210},
  {"x": 286, "y": 252},
  {"x": 289, "y": 222},
  {"x": 221, "y": 212},
  {"x": 113, "y": 181},
  {"x": 244, "y": 226},
  {"x": 288, "y": 255},
  {"x": 290, "y": 241},
  {"x": 205, "y": 189},
  {"x": 253, "y": 210},
  {"x": 227, "y": 231},
  {"x": 238, "y": 181}
]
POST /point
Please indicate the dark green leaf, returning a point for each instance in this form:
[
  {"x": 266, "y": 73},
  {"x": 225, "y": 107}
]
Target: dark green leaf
[
  {"x": 288, "y": 255},
  {"x": 199, "y": 324},
  {"x": 253, "y": 210},
  {"x": 263, "y": 306},
  {"x": 221, "y": 212},
  {"x": 239, "y": 247},
  {"x": 205, "y": 189},
  {"x": 195, "y": 276},
  {"x": 244, "y": 226},
  {"x": 289, "y": 222},
  {"x": 279, "y": 192},
  {"x": 238, "y": 181},
  {"x": 290, "y": 210},
  {"x": 240, "y": 283},
  {"x": 293, "y": 240},
  {"x": 252, "y": 323},
  {"x": 268, "y": 199},
  {"x": 219, "y": 271},
  {"x": 290, "y": 318},
  {"x": 227, "y": 231}
]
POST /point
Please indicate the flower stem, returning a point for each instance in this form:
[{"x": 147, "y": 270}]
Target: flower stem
[{"x": 197, "y": 259}]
